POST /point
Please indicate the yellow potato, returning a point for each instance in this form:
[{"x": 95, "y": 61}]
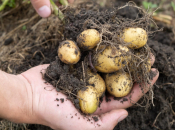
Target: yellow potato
[
  {"x": 97, "y": 81},
  {"x": 69, "y": 52},
  {"x": 112, "y": 59},
  {"x": 146, "y": 66},
  {"x": 118, "y": 84},
  {"x": 88, "y": 39},
  {"x": 88, "y": 100},
  {"x": 135, "y": 37}
]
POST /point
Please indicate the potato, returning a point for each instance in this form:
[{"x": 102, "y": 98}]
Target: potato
[
  {"x": 97, "y": 81},
  {"x": 88, "y": 100},
  {"x": 146, "y": 66},
  {"x": 118, "y": 84},
  {"x": 112, "y": 59},
  {"x": 69, "y": 52},
  {"x": 88, "y": 39},
  {"x": 135, "y": 37}
]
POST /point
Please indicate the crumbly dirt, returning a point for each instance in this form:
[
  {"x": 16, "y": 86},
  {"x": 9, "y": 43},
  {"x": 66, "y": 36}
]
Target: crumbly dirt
[{"x": 160, "y": 116}]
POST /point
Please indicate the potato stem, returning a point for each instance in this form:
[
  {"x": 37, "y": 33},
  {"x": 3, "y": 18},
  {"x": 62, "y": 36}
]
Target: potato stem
[
  {"x": 64, "y": 2},
  {"x": 56, "y": 10},
  {"x": 3, "y": 4}
]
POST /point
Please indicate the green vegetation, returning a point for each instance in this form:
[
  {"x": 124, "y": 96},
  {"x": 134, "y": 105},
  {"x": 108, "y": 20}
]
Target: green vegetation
[
  {"x": 24, "y": 27},
  {"x": 149, "y": 5},
  {"x": 3, "y": 5},
  {"x": 56, "y": 10},
  {"x": 64, "y": 2},
  {"x": 173, "y": 5},
  {"x": 11, "y": 3}
]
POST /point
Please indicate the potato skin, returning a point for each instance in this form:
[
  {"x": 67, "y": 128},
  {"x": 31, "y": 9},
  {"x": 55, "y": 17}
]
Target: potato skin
[
  {"x": 97, "y": 81},
  {"x": 147, "y": 65},
  {"x": 112, "y": 59},
  {"x": 88, "y": 39},
  {"x": 90, "y": 101},
  {"x": 135, "y": 37},
  {"x": 118, "y": 84},
  {"x": 69, "y": 52}
]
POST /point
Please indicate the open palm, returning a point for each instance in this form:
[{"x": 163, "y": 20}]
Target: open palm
[{"x": 52, "y": 111}]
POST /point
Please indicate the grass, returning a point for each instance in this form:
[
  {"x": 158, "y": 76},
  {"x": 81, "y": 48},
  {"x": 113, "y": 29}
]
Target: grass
[
  {"x": 149, "y": 5},
  {"x": 173, "y": 5}
]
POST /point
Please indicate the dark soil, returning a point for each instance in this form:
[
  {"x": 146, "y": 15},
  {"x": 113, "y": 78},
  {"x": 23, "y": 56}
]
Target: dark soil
[
  {"x": 160, "y": 116},
  {"x": 66, "y": 79}
]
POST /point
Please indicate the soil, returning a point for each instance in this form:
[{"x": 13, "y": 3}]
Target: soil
[{"x": 160, "y": 116}]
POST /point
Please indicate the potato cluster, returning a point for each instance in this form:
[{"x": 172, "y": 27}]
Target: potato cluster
[{"x": 110, "y": 61}]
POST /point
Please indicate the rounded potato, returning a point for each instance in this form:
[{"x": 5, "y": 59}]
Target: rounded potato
[
  {"x": 112, "y": 59},
  {"x": 88, "y": 39},
  {"x": 135, "y": 37},
  {"x": 97, "y": 81},
  {"x": 118, "y": 84},
  {"x": 69, "y": 52},
  {"x": 88, "y": 100},
  {"x": 146, "y": 66}
]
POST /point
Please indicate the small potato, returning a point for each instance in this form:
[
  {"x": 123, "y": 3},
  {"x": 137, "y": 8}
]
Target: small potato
[
  {"x": 135, "y": 37},
  {"x": 97, "y": 81},
  {"x": 112, "y": 59},
  {"x": 118, "y": 84},
  {"x": 88, "y": 100},
  {"x": 68, "y": 52},
  {"x": 88, "y": 39},
  {"x": 146, "y": 66}
]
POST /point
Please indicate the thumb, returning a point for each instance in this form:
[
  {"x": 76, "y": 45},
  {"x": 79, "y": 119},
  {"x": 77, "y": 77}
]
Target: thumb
[
  {"x": 42, "y": 7},
  {"x": 112, "y": 118}
]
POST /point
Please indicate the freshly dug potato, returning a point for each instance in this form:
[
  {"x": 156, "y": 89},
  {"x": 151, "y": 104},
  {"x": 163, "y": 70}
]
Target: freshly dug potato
[
  {"x": 146, "y": 66},
  {"x": 97, "y": 81},
  {"x": 118, "y": 84},
  {"x": 135, "y": 37},
  {"x": 88, "y": 39},
  {"x": 69, "y": 52},
  {"x": 90, "y": 101},
  {"x": 112, "y": 59}
]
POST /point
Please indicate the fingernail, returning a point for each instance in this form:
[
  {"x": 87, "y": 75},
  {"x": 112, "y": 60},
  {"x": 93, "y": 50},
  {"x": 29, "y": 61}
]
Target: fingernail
[
  {"x": 44, "y": 11},
  {"x": 122, "y": 118}
]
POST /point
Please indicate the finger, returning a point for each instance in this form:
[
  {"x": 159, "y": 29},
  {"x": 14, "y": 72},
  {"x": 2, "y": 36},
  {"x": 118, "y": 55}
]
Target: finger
[
  {"x": 134, "y": 96},
  {"x": 71, "y": 1},
  {"x": 42, "y": 7},
  {"x": 111, "y": 119}
]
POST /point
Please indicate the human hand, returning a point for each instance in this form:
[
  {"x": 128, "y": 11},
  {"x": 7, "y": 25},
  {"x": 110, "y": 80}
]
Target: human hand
[
  {"x": 50, "y": 112},
  {"x": 42, "y": 7}
]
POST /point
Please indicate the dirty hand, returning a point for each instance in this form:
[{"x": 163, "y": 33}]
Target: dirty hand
[
  {"x": 42, "y": 7},
  {"x": 27, "y": 99},
  {"x": 63, "y": 115}
]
